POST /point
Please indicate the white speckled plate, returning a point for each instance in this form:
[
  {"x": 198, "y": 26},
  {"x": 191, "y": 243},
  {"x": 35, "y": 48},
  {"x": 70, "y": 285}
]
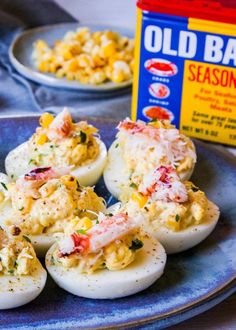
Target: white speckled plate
[{"x": 20, "y": 54}]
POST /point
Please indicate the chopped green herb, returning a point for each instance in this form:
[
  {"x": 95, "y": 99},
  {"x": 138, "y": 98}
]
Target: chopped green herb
[
  {"x": 194, "y": 189},
  {"x": 79, "y": 188},
  {"x": 117, "y": 145},
  {"x": 97, "y": 222},
  {"x": 11, "y": 271},
  {"x": 177, "y": 218},
  {"x": 4, "y": 185},
  {"x": 110, "y": 214},
  {"x": 83, "y": 137},
  {"x": 31, "y": 161},
  {"x": 133, "y": 185},
  {"x": 136, "y": 244},
  {"x": 15, "y": 264},
  {"x": 27, "y": 238},
  {"x": 52, "y": 260},
  {"x": 81, "y": 231},
  {"x": 154, "y": 120},
  {"x": 21, "y": 208}
]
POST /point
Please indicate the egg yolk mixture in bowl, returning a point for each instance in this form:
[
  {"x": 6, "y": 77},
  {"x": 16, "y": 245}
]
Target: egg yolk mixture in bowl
[{"x": 86, "y": 56}]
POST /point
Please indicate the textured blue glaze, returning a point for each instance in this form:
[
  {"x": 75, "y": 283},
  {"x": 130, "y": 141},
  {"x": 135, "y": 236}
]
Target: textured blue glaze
[{"x": 193, "y": 281}]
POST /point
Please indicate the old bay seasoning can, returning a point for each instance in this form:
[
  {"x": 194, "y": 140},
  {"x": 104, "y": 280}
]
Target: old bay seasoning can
[{"x": 185, "y": 66}]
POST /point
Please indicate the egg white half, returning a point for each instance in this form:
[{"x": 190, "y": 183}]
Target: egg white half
[
  {"x": 104, "y": 284},
  {"x": 178, "y": 241},
  {"x": 16, "y": 291},
  {"x": 17, "y": 164},
  {"x": 116, "y": 174}
]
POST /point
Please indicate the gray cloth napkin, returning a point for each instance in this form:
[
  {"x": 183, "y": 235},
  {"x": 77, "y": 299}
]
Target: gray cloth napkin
[{"x": 20, "y": 95}]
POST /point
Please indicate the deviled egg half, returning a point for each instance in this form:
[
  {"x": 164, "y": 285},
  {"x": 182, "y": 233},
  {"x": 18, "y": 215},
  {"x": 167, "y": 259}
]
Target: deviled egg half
[
  {"x": 22, "y": 277},
  {"x": 59, "y": 142},
  {"x": 178, "y": 214},
  {"x": 141, "y": 147},
  {"x": 111, "y": 260},
  {"x": 46, "y": 203}
]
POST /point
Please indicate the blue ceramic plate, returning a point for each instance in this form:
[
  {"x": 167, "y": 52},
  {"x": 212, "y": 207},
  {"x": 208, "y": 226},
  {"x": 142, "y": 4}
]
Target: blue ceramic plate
[
  {"x": 193, "y": 282},
  {"x": 20, "y": 54}
]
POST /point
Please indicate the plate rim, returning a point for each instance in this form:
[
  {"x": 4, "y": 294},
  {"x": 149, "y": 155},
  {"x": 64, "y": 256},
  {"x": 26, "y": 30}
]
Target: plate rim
[
  {"x": 52, "y": 81},
  {"x": 223, "y": 291}
]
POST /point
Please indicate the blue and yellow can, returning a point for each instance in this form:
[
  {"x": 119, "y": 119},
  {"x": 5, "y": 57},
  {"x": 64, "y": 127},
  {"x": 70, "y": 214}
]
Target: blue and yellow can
[{"x": 185, "y": 66}]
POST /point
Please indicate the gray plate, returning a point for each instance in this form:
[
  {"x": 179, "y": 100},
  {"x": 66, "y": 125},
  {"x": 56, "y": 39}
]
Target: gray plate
[{"x": 20, "y": 54}]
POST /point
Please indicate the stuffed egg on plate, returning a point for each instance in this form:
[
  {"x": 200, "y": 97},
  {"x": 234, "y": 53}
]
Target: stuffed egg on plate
[
  {"x": 140, "y": 148},
  {"x": 111, "y": 260},
  {"x": 176, "y": 213},
  {"x": 59, "y": 142},
  {"x": 46, "y": 203},
  {"x": 22, "y": 277}
]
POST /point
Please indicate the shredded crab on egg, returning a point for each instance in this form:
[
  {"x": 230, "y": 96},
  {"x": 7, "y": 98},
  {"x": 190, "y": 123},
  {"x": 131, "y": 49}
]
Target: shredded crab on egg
[
  {"x": 108, "y": 244},
  {"x": 60, "y": 142},
  {"x": 166, "y": 201},
  {"x": 146, "y": 146}
]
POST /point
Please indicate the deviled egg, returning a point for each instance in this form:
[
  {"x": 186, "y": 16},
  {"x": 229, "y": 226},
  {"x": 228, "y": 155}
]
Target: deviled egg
[
  {"x": 176, "y": 213},
  {"x": 139, "y": 148},
  {"x": 48, "y": 202},
  {"x": 59, "y": 142},
  {"x": 22, "y": 277},
  {"x": 111, "y": 260}
]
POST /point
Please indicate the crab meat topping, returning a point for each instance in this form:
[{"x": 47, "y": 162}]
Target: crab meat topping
[
  {"x": 61, "y": 126},
  {"x": 31, "y": 181},
  {"x": 75, "y": 243},
  {"x": 164, "y": 184},
  {"x": 106, "y": 231}
]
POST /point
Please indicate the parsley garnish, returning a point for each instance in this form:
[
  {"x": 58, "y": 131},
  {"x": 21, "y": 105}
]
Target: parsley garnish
[
  {"x": 4, "y": 185},
  {"x": 154, "y": 120},
  {"x": 136, "y": 244},
  {"x": 117, "y": 145},
  {"x": 81, "y": 231},
  {"x": 194, "y": 189},
  {"x": 21, "y": 209},
  {"x": 83, "y": 137},
  {"x": 177, "y": 218},
  {"x": 79, "y": 189},
  {"x": 52, "y": 261},
  {"x": 31, "y": 161},
  {"x": 97, "y": 222},
  {"x": 133, "y": 185},
  {"x": 27, "y": 238}
]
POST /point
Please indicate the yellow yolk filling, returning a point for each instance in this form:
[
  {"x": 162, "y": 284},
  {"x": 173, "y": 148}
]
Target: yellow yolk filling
[
  {"x": 115, "y": 256},
  {"x": 59, "y": 205}
]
